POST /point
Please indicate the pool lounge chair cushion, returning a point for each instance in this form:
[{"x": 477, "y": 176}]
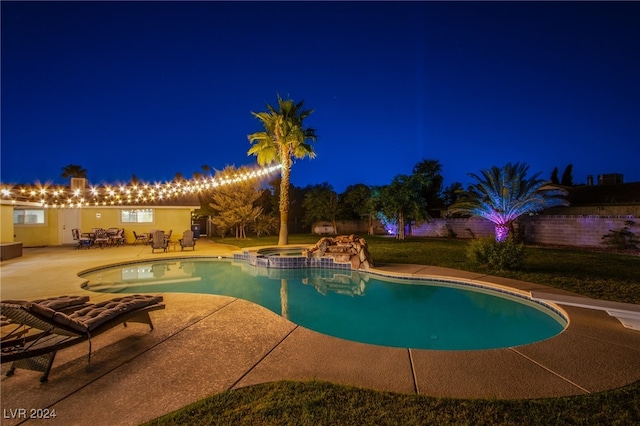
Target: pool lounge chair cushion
[
  {"x": 58, "y": 303},
  {"x": 89, "y": 318}
]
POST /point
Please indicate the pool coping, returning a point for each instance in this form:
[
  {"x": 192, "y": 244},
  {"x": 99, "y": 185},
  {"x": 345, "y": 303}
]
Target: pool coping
[{"x": 205, "y": 344}]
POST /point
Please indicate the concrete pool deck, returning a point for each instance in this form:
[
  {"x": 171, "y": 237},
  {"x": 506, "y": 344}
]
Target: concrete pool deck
[{"x": 206, "y": 344}]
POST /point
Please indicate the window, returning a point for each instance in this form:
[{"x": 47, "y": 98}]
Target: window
[
  {"x": 137, "y": 216},
  {"x": 28, "y": 217}
]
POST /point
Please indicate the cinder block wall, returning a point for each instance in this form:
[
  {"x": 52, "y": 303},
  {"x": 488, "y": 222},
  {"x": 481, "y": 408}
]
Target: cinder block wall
[
  {"x": 463, "y": 228},
  {"x": 579, "y": 231}
]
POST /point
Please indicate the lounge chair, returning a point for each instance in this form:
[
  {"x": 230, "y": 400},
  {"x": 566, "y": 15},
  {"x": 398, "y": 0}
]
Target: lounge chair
[
  {"x": 187, "y": 240},
  {"x": 64, "y": 304},
  {"x": 49, "y": 330},
  {"x": 158, "y": 241}
]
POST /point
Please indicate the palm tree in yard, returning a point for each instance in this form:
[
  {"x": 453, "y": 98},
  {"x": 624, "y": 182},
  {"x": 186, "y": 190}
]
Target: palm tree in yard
[
  {"x": 501, "y": 195},
  {"x": 283, "y": 139},
  {"x": 74, "y": 171}
]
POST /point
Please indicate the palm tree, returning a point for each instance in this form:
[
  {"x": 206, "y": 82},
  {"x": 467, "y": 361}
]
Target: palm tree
[
  {"x": 501, "y": 195},
  {"x": 74, "y": 171},
  {"x": 283, "y": 139}
]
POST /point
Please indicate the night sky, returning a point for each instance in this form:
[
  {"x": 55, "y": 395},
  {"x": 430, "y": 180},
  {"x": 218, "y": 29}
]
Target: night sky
[{"x": 156, "y": 88}]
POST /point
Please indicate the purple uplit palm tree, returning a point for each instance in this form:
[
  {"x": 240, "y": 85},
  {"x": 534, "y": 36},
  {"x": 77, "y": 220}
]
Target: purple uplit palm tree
[{"x": 501, "y": 195}]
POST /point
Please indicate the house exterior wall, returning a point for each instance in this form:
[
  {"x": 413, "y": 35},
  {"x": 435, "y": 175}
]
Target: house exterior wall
[
  {"x": 38, "y": 235},
  {"x": 6, "y": 224},
  {"x": 177, "y": 219}
]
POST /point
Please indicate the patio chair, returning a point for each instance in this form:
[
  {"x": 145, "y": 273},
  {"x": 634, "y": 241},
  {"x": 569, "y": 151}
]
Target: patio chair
[
  {"x": 187, "y": 240},
  {"x": 158, "y": 242},
  {"x": 57, "y": 330},
  {"x": 81, "y": 240},
  {"x": 150, "y": 241},
  {"x": 140, "y": 237},
  {"x": 117, "y": 238},
  {"x": 101, "y": 238}
]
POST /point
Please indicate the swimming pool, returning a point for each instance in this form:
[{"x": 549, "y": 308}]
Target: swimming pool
[{"x": 353, "y": 305}]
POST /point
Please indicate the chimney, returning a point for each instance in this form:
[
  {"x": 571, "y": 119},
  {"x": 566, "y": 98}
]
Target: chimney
[
  {"x": 78, "y": 184},
  {"x": 590, "y": 180}
]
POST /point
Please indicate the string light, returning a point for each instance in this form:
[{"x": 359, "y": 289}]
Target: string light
[{"x": 61, "y": 197}]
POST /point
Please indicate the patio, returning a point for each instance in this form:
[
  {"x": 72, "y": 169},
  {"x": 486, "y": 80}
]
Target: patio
[{"x": 205, "y": 344}]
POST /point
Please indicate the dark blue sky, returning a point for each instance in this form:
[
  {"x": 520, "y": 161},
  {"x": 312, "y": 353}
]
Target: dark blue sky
[{"x": 155, "y": 88}]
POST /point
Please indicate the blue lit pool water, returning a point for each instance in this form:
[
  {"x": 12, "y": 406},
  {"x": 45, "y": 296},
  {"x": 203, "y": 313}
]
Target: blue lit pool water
[{"x": 351, "y": 305}]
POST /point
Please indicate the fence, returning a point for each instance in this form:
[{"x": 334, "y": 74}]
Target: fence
[{"x": 565, "y": 230}]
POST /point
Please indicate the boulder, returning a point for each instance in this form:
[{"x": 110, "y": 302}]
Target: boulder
[{"x": 343, "y": 248}]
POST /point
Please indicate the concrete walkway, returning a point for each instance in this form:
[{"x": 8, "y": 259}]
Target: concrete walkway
[{"x": 204, "y": 344}]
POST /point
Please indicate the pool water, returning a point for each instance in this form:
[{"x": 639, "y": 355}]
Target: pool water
[
  {"x": 352, "y": 305},
  {"x": 281, "y": 251}
]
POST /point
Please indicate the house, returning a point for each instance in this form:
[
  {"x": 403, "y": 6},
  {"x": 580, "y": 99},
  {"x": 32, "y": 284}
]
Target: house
[
  {"x": 35, "y": 215},
  {"x": 43, "y": 215},
  {"x": 604, "y": 199}
]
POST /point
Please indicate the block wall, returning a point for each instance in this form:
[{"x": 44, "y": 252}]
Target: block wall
[
  {"x": 463, "y": 228},
  {"x": 578, "y": 231}
]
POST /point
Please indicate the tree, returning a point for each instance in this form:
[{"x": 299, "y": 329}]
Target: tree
[
  {"x": 73, "y": 171},
  {"x": 283, "y": 139},
  {"x": 233, "y": 205},
  {"x": 501, "y": 195},
  {"x": 264, "y": 224},
  {"x": 450, "y": 193},
  {"x": 320, "y": 203},
  {"x": 358, "y": 201},
  {"x": 402, "y": 202},
  {"x": 431, "y": 172},
  {"x": 353, "y": 201},
  {"x": 567, "y": 176},
  {"x": 206, "y": 170},
  {"x": 554, "y": 176},
  {"x": 296, "y": 198},
  {"x": 134, "y": 180}
]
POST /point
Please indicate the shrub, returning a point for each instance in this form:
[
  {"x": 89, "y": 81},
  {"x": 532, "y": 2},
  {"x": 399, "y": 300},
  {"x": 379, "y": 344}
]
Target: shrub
[
  {"x": 498, "y": 256},
  {"x": 623, "y": 239}
]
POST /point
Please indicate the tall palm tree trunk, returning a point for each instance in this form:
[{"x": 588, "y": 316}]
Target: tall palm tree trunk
[
  {"x": 284, "y": 298},
  {"x": 283, "y": 236}
]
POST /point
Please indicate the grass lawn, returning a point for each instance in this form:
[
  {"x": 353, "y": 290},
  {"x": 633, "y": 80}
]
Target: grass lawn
[{"x": 590, "y": 273}]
